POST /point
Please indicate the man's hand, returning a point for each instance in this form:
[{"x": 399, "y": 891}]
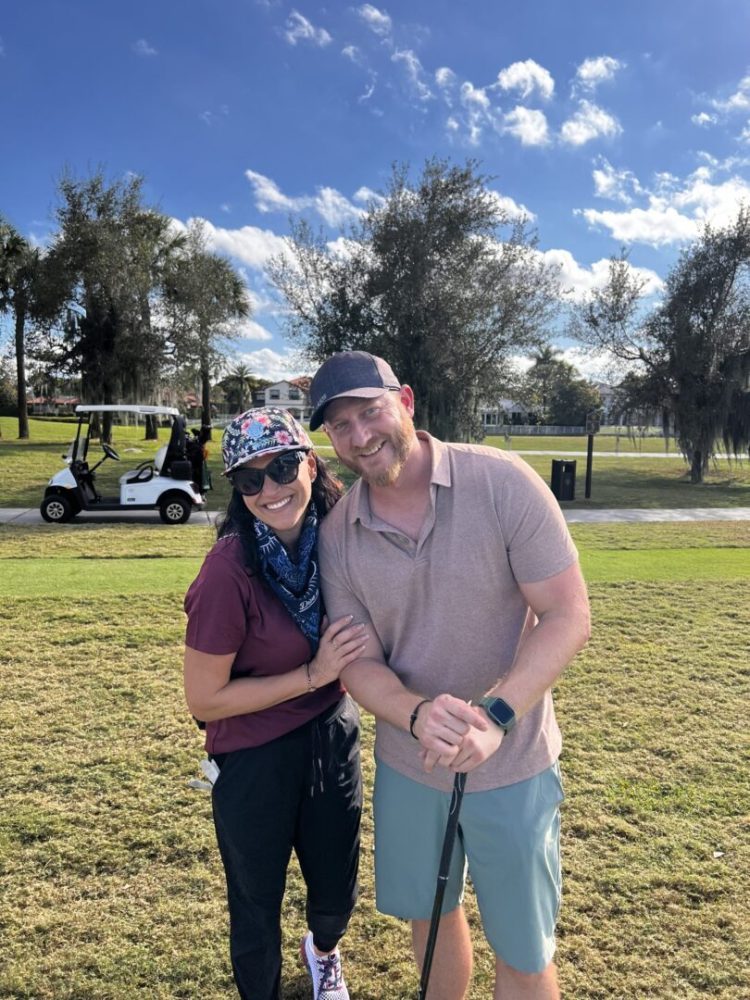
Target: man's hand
[{"x": 442, "y": 726}]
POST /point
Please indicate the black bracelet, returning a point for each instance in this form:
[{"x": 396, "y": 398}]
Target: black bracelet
[{"x": 413, "y": 717}]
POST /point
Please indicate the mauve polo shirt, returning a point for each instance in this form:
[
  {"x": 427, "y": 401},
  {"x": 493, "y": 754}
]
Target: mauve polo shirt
[
  {"x": 447, "y": 609},
  {"x": 231, "y": 610}
]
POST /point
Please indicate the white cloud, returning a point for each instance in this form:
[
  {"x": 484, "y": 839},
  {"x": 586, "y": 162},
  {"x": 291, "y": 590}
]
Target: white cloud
[
  {"x": 332, "y": 206},
  {"x": 269, "y": 197},
  {"x": 270, "y": 364},
  {"x": 744, "y": 135},
  {"x": 715, "y": 203},
  {"x": 144, "y": 48},
  {"x": 342, "y": 247},
  {"x": 366, "y": 195},
  {"x": 251, "y": 245},
  {"x": 578, "y": 281},
  {"x": 655, "y": 225},
  {"x": 478, "y": 110},
  {"x": 353, "y": 53},
  {"x": 739, "y": 100},
  {"x": 471, "y": 95},
  {"x": 527, "y": 77},
  {"x": 445, "y": 78},
  {"x": 414, "y": 72},
  {"x": 677, "y": 209},
  {"x": 527, "y": 125},
  {"x": 368, "y": 91},
  {"x": 299, "y": 29},
  {"x": 617, "y": 185},
  {"x": 589, "y": 122},
  {"x": 511, "y": 208},
  {"x": 703, "y": 119},
  {"x": 376, "y": 20},
  {"x": 250, "y": 330},
  {"x": 592, "y": 72}
]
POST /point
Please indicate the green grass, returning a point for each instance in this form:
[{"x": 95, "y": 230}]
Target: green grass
[{"x": 110, "y": 882}]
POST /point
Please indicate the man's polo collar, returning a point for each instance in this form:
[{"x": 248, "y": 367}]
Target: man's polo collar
[{"x": 359, "y": 507}]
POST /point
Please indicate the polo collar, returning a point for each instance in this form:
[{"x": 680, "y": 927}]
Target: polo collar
[{"x": 359, "y": 508}]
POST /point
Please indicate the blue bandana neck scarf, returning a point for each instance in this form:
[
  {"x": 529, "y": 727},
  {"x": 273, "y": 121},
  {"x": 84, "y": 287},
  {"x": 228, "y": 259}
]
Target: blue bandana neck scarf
[{"x": 296, "y": 582}]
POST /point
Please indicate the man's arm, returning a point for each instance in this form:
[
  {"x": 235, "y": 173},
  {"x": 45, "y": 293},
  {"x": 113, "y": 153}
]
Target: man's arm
[
  {"x": 561, "y": 606},
  {"x": 441, "y": 723}
]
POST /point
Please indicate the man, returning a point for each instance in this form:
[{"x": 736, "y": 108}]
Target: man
[{"x": 458, "y": 559}]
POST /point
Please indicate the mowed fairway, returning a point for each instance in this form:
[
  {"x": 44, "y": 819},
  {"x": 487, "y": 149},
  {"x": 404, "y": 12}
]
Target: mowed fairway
[{"x": 110, "y": 883}]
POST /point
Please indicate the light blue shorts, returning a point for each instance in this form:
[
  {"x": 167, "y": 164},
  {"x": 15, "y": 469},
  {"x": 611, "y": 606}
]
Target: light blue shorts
[{"x": 510, "y": 838}]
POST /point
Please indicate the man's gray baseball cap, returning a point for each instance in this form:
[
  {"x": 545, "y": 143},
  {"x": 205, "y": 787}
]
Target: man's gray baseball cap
[{"x": 349, "y": 373}]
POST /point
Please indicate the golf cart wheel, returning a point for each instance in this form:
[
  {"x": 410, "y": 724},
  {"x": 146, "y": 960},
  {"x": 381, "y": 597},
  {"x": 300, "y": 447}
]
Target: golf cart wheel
[
  {"x": 174, "y": 509},
  {"x": 56, "y": 509}
]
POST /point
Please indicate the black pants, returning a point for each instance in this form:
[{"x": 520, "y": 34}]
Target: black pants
[{"x": 301, "y": 792}]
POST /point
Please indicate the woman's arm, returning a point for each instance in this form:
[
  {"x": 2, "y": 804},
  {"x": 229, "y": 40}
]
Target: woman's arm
[{"x": 212, "y": 694}]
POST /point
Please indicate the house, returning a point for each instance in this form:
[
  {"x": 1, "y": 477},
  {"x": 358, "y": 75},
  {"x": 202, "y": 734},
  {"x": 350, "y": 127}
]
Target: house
[
  {"x": 290, "y": 394},
  {"x": 52, "y": 406},
  {"x": 503, "y": 411}
]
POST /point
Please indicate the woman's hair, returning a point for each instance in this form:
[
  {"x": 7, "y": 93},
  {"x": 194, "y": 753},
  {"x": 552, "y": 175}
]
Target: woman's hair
[{"x": 326, "y": 490}]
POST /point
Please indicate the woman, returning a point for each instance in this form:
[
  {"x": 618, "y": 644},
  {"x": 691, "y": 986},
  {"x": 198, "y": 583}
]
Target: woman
[{"x": 280, "y": 727}]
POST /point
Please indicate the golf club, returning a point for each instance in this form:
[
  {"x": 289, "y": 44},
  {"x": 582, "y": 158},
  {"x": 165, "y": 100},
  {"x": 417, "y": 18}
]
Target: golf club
[{"x": 459, "y": 783}]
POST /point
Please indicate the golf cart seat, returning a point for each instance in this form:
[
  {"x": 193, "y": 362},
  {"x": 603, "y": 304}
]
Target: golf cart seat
[
  {"x": 172, "y": 460},
  {"x": 143, "y": 474}
]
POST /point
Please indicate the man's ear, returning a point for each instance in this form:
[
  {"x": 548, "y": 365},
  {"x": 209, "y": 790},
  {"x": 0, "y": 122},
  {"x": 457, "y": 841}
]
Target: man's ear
[{"x": 406, "y": 396}]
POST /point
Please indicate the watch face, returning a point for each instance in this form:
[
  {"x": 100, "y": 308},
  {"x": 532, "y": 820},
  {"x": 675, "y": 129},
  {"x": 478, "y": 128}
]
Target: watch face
[{"x": 501, "y": 712}]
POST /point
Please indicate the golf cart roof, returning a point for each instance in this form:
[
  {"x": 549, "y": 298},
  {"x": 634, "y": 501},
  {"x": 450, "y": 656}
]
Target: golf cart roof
[{"x": 169, "y": 411}]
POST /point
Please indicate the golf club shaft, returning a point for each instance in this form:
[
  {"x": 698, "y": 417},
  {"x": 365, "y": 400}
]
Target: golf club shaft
[{"x": 459, "y": 783}]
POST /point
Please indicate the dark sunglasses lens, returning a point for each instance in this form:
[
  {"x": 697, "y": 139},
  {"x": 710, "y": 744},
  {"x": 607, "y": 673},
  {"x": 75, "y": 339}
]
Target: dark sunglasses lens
[
  {"x": 283, "y": 470},
  {"x": 249, "y": 482}
]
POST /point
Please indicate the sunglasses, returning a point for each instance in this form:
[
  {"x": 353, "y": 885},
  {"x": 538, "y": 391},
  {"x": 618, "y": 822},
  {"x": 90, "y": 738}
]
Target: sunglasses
[{"x": 284, "y": 469}]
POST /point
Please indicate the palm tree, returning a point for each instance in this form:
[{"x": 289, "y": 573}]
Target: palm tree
[
  {"x": 19, "y": 275},
  {"x": 544, "y": 372},
  {"x": 240, "y": 380}
]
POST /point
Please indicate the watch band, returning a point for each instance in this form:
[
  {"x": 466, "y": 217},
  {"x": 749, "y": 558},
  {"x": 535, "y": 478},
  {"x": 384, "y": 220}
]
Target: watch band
[{"x": 413, "y": 717}]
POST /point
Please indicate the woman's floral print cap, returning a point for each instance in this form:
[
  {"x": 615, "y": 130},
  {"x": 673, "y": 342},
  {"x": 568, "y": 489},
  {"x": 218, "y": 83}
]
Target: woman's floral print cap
[{"x": 262, "y": 431}]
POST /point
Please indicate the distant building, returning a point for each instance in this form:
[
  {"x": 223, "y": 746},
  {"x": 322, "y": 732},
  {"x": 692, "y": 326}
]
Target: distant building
[
  {"x": 503, "y": 411},
  {"x": 290, "y": 394},
  {"x": 52, "y": 406}
]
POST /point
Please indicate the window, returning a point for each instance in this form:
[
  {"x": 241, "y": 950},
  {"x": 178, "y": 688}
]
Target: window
[
  {"x": 274, "y": 393},
  {"x": 294, "y": 393}
]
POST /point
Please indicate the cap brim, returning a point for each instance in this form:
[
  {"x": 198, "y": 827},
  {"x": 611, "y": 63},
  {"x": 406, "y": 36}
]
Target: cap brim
[{"x": 366, "y": 392}]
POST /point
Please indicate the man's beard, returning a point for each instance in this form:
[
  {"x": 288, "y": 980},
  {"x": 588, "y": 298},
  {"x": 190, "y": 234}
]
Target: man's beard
[{"x": 401, "y": 442}]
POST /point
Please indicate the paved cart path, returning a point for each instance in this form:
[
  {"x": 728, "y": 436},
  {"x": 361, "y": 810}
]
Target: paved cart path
[{"x": 24, "y": 515}]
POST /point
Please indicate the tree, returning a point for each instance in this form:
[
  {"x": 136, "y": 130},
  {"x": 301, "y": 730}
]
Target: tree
[
  {"x": 555, "y": 392},
  {"x": 20, "y": 265},
  {"x": 571, "y": 399},
  {"x": 204, "y": 299},
  {"x": 691, "y": 353},
  {"x": 239, "y": 384},
  {"x": 545, "y": 371},
  {"x": 436, "y": 278},
  {"x": 111, "y": 253}
]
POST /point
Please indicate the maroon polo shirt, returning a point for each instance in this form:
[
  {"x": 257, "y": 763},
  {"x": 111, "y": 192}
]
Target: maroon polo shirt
[{"x": 231, "y": 610}]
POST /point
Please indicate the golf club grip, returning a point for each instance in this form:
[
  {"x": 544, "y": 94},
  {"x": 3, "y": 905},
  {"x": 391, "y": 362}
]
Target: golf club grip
[{"x": 459, "y": 783}]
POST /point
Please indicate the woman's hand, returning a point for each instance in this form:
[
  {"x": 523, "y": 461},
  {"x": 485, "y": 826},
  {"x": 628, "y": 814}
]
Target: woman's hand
[{"x": 340, "y": 644}]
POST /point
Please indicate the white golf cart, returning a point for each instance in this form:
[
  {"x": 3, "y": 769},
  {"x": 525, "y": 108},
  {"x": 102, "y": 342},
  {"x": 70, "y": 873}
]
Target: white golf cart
[{"x": 173, "y": 483}]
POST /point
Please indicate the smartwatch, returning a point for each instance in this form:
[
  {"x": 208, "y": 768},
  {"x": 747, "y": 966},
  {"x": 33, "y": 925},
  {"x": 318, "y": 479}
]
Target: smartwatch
[{"x": 500, "y": 712}]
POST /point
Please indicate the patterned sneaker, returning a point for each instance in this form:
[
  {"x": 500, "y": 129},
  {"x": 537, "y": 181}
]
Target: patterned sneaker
[{"x": 325, "y": 971}]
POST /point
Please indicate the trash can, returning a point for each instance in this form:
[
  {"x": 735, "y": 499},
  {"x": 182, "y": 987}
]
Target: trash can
[{"x": 563, "y": 482}]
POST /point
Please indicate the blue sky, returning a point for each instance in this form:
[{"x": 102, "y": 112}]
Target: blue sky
[{"x": 609, "y": 124}]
